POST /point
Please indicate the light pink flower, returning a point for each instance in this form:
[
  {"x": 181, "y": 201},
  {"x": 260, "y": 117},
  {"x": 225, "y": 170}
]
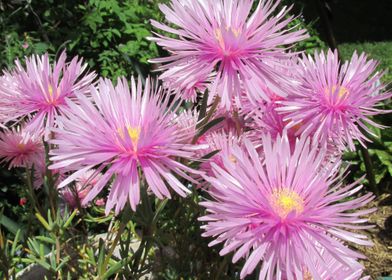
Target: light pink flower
[
  {"x": 21, "y": 149},
  {"x": 100, "y": 202},
  {"x": 221, "y": 144},
  {"x": 187, "y": 121},
  {"x": 329, "y": 268},
  {"x": 273, "y": 209},
  {"x": 40, "y": 89},
  {"x": 187, "y": 86},
  {"x": 122, "y": 132},
  {"x": 242, "y": 50},
  {"x": 234, "y": 122},
  {"x": 82, "y": 187},
  {"x": 335, "y": 101}
]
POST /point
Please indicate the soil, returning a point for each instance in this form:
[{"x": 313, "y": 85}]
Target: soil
[{"x": 379, "y": 262}]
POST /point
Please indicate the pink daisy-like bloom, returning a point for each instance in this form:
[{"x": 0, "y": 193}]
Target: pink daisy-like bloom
[
  {"x": 221, "y": 143},
  {"x": 268, "y": 120},
  {"x": 234, "y": 122},
  {"x": 241, "y": 50},
  {"x": 187, "y": 86},
  {"x": 333, "y": 269},
  {"x": 21, "y": 149},
  {"x": 41, "y": 89},
  {"x": 187, "y": 121},
  {"x": 272, "y": 210},
  {"x": 335, "y": 101},
  {"x": 82, "y": 187},
  {"x": 288, "y": 69},
  {"x": 121, "y": 132}
]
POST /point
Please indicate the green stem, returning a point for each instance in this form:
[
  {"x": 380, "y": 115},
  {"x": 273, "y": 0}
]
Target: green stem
[
  {"x": 147, "y": 249},
  {"x": 221, "y": 268},
  {"x": 137, "y": 255},
  {"x": 369, "y": 170},
  {"x": 114, "y": 244},
  {"x": 237, "y": 122},
  {"x": 207, "y": 117},
  {"x": 321, "y": 5},
  {"x": 31, "y": 193},
  {"x": 52, "y": 191}
]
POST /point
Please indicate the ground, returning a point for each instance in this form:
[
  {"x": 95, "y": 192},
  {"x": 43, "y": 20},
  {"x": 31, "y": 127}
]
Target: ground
[{"x": 379, "y": 262}]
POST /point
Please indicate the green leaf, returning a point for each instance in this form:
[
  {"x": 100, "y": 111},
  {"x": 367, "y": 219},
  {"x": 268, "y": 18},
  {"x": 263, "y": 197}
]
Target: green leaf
[
  {"x": 209, "y": 125},
  {"x": 9, "y": 224},
  {"x": 41, "y": 47},
  {"x": 15, "y": 242},
  {"x": 203, "y": 107},
  {"x": 43, "y": 221},
  {"x": 68, "y": 222},
  {"x": 101, "y": 257},
  {"x": 46, "y": 239},
  {"x": 114, "y": 269},
  {"x": 63, "y": 262},
  {"x": 385, "y": 158}
]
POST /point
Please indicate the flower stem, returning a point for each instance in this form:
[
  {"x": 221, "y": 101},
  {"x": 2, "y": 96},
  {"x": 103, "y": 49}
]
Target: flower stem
[
  {"x": 237, "y": 122},
  {"x": 123, "y": 224},
  {"x": 205, "y": 120},
  {"x": 369, "y": 170}
]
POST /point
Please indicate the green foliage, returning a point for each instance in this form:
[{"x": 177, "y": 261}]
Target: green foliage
[
  {"x": 9, "y": 255},
  {"x": 183, "y": 252},
  {"x": 381, "y": 51},
  {"x": 112, "y": 36},
  {"x": 380, "y": 150},
  {"x": 313, "y": 42},
  {"x": 109, "y": 34}
]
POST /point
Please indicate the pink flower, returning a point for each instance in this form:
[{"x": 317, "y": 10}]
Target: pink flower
[
  {"x": 275, "y": 209},
  {"x": 21, "y": 149},
  {"x": 234, "y": 122},
  {"x": 328, "y": 267},
  {"x": 241, "y": 50},
  {"x": 121, "y": 133},
  {"x": 188, "y": 88},
  {"x": 222, "y": 144},
  {"x": 100, "y": 202},
  {"x": 74, "y": 195},
  {"x": 41, "y": 90},
  {"x": 267, "y": 120},
  {"x": 187, "y": 121},
  {"x": 335, "y": 101}
]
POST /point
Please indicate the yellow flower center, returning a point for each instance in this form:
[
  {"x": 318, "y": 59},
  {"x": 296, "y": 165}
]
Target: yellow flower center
[
  {"x": 221, "y": 37},
  {"x": 52, "y": 99},
  {"x": 21, "y": 146},
  {"x": 297, "y": 127},
  {"x": 307, "y": 275},
  {"x": 133, "y": 133},
  {"x": 232, "y": 159},
  {"x": 50, "y": 89},
  {"x": 235, "y": 31},
  {"x": 342, "y": 93},
  {"x": 285, "y": 201}
]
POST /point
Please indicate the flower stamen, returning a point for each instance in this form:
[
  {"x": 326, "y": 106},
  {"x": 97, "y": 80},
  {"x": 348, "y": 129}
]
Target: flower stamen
[
  {"x": 134, "y": 134},
  {"x": 284, "y": 201},
  {"x": 342, "y": 92}
]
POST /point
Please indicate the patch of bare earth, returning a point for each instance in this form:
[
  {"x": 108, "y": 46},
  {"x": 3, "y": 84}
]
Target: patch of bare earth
[{"x": 379, "y": 262}]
